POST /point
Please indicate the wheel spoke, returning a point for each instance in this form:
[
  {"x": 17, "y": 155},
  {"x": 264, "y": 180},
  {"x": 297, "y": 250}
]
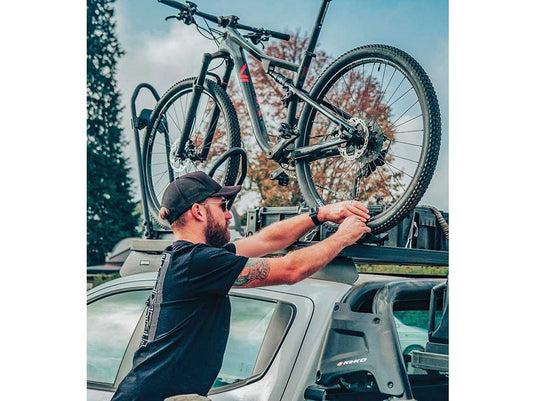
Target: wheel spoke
[
  {"x": 366, "y": 83},
  {"x": 177, "y": 119},
  {"x": 407, "y": 91},
  {"x": 386, "y": 186},
  {"x": 352, "y": 98},
  {"x": 405, "y": 112},
  {"x": 393, "y": 93},
  {"x": 387, "y": 85},
  {"x": 172, "y": 119},
  {"x": 182, "y": 107},
  {"x": 403, "y": 123},
  {"x": 205, "y": 114},
  {"x": 411, "y": 144},
  {"x": 400, "y": 157},
  {"x": 410, "y": 131},
  {"x": 161, "y": 175},
  {"x": 342, "y": 196},
  {"x": 401, "y": 171}
]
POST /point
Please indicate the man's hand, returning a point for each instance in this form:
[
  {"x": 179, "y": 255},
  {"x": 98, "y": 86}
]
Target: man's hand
[
  {"x": 338, "y": 212},
  {"x": 351, "y": 229}
]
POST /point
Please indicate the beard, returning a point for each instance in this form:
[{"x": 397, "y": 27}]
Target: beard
[{"x": 216, "y": 235}]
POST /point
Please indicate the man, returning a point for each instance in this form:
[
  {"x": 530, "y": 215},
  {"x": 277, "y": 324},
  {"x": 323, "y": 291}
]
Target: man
[{"x": 188, "y": 319}]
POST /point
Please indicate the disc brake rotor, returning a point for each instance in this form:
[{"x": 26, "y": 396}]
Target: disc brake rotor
[
  {"x": 350, "y": 150},
  {"x": 179, "y": 165}
]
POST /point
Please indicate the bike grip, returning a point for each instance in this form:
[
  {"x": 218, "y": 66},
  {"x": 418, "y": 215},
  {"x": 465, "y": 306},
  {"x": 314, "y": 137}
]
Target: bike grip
[
  {"x": 174, "y": 4},
  {"x": 278, "y": 35}
]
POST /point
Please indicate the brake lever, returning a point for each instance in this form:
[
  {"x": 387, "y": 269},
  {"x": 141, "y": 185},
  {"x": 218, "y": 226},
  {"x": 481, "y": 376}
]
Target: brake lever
[
  {"x": 183, "y": 16},
  {"x": 257, "y": 38},
  {"x": 254, "y": 37}
]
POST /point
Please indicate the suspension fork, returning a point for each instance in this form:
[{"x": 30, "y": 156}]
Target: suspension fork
[
  {"x": 198, "y": 86},
  {"x": 214, "y": 117}
]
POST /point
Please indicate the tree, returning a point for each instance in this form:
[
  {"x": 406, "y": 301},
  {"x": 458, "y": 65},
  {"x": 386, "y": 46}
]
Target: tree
[
  {"x": 357, "y": 95},
  {"x": 110, "y": 206}
]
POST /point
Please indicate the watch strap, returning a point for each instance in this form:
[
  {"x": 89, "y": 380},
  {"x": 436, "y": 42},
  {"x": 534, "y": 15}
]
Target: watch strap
[{"x": 314, "y": 216}]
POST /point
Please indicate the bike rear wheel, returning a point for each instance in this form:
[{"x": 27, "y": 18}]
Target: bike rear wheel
[
  {"x": 165, "y": 128},
  {"x": 386, "y": 90}
]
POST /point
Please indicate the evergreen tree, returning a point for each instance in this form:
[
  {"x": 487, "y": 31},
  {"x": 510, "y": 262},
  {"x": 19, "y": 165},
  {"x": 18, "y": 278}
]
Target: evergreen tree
[{"x": 110, "y": 207}]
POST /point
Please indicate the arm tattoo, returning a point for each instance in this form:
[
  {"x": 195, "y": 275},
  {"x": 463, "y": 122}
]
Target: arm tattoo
[{"x": 255, "y": 269}]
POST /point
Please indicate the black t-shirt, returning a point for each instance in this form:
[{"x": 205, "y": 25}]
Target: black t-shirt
[{"x": 187, "y": 324}]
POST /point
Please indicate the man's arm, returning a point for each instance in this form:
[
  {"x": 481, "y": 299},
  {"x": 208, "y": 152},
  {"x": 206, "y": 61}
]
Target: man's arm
[
  {"x": 299, "y": 264},
  {"x": 282, "y": 234}
]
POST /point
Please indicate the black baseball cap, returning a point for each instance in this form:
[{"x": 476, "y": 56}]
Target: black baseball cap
[{"x": 192, "y": 188}]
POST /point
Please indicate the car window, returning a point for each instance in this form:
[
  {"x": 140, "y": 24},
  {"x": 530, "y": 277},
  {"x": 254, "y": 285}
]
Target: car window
[
  {"x": 110, "y": 324},
  {"x": 249, "y": 322},
  {"x": 412, "y": 326}
]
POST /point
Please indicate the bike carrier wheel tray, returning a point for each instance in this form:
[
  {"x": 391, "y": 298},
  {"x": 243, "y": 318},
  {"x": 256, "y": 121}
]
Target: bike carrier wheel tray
[{"x": 140, "y": 122}]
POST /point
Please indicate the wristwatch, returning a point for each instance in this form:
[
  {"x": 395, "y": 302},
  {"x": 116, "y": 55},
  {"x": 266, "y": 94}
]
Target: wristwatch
[{"x": 314, "y": 216}]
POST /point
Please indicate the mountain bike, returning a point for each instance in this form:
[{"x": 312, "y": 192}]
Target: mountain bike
[{"x": 368, "y": 129}]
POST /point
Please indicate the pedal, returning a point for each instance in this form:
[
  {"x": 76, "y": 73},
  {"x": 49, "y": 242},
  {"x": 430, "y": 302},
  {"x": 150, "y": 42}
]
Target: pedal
[{"x": 281, "y": 176}]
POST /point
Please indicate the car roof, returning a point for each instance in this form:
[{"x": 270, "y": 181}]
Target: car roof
[{"x": 309, "y": 287}]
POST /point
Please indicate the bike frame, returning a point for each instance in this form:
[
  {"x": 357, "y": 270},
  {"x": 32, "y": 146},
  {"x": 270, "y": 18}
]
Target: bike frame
[{"x": 232, "y": 50}]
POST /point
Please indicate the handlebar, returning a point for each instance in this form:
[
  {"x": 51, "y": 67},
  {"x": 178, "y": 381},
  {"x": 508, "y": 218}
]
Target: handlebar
[
  {"x": 223, "y": 21},
  {"x": 174, "y": 4}
]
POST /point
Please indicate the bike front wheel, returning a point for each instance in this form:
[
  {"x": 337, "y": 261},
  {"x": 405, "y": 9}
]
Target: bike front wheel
[
  {"x": 215, "y": 115},
  {"x": 388, "y": 94}
]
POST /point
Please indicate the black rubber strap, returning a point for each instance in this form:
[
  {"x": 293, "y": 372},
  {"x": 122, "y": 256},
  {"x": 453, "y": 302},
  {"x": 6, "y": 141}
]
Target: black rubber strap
[{"x": 314, "y": 216}]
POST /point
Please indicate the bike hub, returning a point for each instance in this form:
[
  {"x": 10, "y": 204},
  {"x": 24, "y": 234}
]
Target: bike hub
[
  {"x": 356, "y": 145},
  {"x": 375, "y": 143}
]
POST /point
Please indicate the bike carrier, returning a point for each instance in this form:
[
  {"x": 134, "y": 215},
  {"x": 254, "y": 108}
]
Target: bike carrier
[
  {"x": 418, "y": 239},
  {"x": 140, "y": 122}
]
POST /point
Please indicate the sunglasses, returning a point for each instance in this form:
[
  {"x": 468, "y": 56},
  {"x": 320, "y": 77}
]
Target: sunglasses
[{"x": 223, "y": 204}]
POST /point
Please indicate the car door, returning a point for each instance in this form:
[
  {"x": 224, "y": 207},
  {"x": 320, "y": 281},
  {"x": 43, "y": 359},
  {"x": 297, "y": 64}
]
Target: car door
[
  {"x": 264, "y": 351},
  {"x": 267, "y": 328},
  {"x": 114, "y": 320}
]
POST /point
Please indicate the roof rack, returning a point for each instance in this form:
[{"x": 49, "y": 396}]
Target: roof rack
[
  {"x": 418, "y": 239},
  {"x": 417, "y": 229}
]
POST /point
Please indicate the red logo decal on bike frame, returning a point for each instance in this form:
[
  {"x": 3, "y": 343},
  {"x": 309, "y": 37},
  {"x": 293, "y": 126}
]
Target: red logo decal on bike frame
[
  {"x": 258, "y": 107},
  {"x": 243, "y": 77}
]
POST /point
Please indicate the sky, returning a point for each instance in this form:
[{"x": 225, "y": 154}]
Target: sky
[{"x": 161, "y": 53}]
